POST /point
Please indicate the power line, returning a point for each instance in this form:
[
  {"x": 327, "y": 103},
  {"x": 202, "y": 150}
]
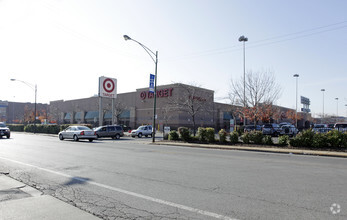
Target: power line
[{"x": 258, "y": 43}]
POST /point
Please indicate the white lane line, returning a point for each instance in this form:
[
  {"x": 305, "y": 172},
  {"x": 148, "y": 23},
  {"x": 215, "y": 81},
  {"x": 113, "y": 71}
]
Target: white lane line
[{"x": 160, "y": 201}]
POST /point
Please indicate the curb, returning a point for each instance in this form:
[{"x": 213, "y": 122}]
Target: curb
[{"x": 257, "y": 149}]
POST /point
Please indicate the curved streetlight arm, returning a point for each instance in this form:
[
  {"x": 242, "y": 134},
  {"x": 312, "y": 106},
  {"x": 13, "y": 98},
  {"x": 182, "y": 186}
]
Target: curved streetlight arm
[
  {"x": 34, "y": 87},
  {"x": 148, "y": 51},
  {"x": 26, "y": 83}
]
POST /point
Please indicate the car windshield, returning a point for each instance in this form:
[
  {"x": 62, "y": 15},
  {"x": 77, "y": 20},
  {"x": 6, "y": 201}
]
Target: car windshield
[
  {"x": 83, "y": 128},
  {"x": 141, "y": 128},
  {"x": 2, "y": 125}
]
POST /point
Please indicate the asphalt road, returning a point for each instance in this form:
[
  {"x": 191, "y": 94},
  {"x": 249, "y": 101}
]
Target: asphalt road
[{"x": 132, "y": 179}]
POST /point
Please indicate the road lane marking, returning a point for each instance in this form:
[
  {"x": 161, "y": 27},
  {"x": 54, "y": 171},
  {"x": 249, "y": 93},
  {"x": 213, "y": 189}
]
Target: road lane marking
[{"x": 149, "y": 198}]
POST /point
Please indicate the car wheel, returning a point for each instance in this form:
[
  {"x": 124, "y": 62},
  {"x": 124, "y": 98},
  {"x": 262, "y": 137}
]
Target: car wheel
[
  {"x": 117, "y": 136},
  {"x": 91, "y": 140},
  {"x": 75, "y": 138},
  {"x": 61, "y": 137},
  {"x": 140, "y": 135}
]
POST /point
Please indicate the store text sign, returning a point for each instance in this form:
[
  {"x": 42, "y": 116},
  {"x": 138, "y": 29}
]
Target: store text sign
[
  {"x": 160, "y": 93},
  {"x": 107, "y": 87}
]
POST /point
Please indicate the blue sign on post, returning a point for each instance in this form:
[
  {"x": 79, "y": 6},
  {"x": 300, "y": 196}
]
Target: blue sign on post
[{"x": 151, "y": 83}]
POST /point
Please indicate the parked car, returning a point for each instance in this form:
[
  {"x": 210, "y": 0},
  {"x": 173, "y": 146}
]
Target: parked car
[
  {"x": 271, "y": 129},
  {"x": 145, "y": 130},
  {"x": 289, "y": 130},
  {"x": 332, "y": 126},
  {"x": 112, "y": 131},
  {"x": 321, "y": 128},
  {"x": 77, "y": 132},
  {"x": 249, "y": 128},
  {"x": 284, "y": 123},
  {"x": 4, "y": 130},
  {"x": 341, "y": 126}
]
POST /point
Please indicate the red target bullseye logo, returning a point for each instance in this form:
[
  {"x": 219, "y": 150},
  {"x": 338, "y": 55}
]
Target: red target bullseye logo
[{"x": 108, "y": 85}]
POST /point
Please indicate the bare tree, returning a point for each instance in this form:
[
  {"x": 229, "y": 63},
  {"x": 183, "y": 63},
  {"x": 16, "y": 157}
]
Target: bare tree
[
  {"x": 119, "y": 108},
  {"x": 261, "y": 89},
  {"x": 192, "y": 101},
  {"x": 166, "y": 112}
]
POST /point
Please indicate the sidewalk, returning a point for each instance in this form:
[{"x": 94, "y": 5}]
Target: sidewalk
[
  {"x": 258, "y": 149},
  {"x": 21, "y": 202}
]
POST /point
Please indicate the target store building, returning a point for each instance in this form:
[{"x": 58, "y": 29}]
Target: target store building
[{"x": 177, "y": 105}]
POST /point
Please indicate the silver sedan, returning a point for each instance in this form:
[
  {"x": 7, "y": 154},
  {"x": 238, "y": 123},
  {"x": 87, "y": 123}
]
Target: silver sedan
[{"x": 77, "y": 132}]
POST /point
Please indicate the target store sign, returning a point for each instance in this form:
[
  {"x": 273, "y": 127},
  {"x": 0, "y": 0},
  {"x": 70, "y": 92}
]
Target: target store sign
[{"x": 107, "y": 87}]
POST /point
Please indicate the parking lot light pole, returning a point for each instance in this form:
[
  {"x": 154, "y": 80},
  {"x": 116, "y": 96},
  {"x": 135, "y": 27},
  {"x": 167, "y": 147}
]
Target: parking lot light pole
[
  {"x": 244, "y": 40},
  {"x": 323, "y": 90},
  {"x": 34, "y": 87},
  {"x": 296, "y": 100},
  {"x": 154, "y": 57},
  {"x": 337, "y": 106}
]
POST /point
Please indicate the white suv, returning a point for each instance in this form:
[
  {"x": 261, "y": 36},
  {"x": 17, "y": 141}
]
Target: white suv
[{"x": 145, "y": 130}]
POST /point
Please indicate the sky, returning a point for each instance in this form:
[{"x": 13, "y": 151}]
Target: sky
[{"x": 64, "y": 46}]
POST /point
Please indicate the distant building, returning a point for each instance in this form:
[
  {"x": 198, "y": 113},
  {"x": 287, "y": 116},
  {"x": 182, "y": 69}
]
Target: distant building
[{"x": 176, "y": 105}]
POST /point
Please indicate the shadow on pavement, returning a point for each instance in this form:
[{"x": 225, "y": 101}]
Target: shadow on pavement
[{"x": 77, "y": 180}]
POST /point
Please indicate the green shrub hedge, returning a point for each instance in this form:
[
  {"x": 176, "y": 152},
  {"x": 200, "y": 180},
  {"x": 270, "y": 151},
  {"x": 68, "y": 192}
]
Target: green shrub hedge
[
  {"x": 46, "y": 129},
  {"x": 320, "y": 141},
  {"x": 173, "y": 135},
  {"x": 184, "y": 133},
  {"x": 268, "y": 140},
  {"x": 222, "y": 136},
  {"x": 246, "y": 138},
  {"x": 256, "y": 137},
  {"x": 283, "y": 140},
  {"x": 332, "y": 139},
  {"x": 202, "y": 134},
  {"x": 234, "y": 137},
  {"x": 210, "y": 135},
  {"x": 16, "y": 127}
]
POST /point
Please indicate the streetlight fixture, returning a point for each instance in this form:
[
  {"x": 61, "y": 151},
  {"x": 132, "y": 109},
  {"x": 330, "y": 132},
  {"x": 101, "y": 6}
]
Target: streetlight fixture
[
  {"x": 296, "y": 100},
  {"x": 337, "y": 106},
  {"x": 244, "y": 40},
  {"x": 34, "y": 87},
  {"x": 154, "y": 57},
  {"x": 323, "y": 90}
]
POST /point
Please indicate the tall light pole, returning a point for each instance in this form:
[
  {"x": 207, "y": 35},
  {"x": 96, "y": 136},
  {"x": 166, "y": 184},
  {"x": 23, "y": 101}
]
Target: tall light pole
[
  {"x": 13, "y": 110},
  {"x": 154, "y": 57},
  {"x": 323, "y": 90},
  {"x": 337, "y": 106},
  {"x": 244, "y": 40},
  {"x": 296, "y": 100},
  {"x": 34, "y": 87}
]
